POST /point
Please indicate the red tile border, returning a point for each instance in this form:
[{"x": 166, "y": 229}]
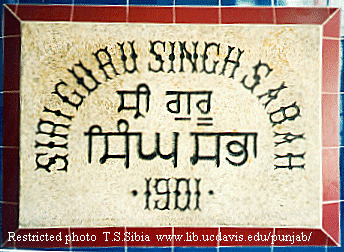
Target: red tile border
[
  {"x": 165, "y": 15},
  {"x": 196, "y": 237},
  {"x": 137, "y": 236},
  {"x": 100, "y": 13},
  {"x": 331, "y": 243},
  {"x": 144, "y": 14},
  {"x": 285, "y": 15},
  {"x": 197, "y": 15},
  {"x": 330, "y": 220},
  {"x": 9, "y": 219},
  {"x": 11, "y": 110},
  {"x": 10, "y": 175},
  {"x": 333, "y": 10},
  {"x": 330, "y": 174},
  {"x": 12, "y": 7},
  {"x": 97, "y": 237},
  {"x": 299, "y": 237},
  {"x": 330, "y": 120},
  {"x": 330, "y": 66},
  {"x": 42, "y": 238},
  {"x": 233, "y": 236},
  {"x": 44, "y": 12},
  {"x": 12, "y": 48},
  {"x": 11, "y": 23},
  {"x": 8, "y": 244},
  {"x": 247, "y": 15},
  {"x": 332, "y": 26}
]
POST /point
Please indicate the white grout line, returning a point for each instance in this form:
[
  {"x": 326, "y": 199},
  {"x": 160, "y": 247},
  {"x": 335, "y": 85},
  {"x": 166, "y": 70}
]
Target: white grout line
[
  {"x": 127, "y": 14},
  {"x": 72, "y": 12},
  {"x": 174, "y": 11},
  {"x": 331, "y": 38},
  {"x": 330, "y": 17},
  {"x": 9, "y": 203},
  {"x": 330, "y": 236},
  {"x": 332, "y": 202},
  {"x": 172, "y": 245}
]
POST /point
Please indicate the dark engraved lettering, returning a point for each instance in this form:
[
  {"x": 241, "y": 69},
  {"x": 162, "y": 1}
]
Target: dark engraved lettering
[
  {"x": 157, "y": 57},
  {"x": 196, "y": 157},
  {"x": 197, "y": 194},
  {"x": 288, "y": 137},
  {"x": 256, "y": 76},
  {"x": 290, "y": 156},
  {"x": 147, "y": 193},
  {"x": 205, "y": 57},
  {"x": 81, "y": 80},
  {"x": 271, "y": 94},
  {"x": 177, "y": 194},
  {"x": 51, "y": 145},
  {"x": 124, "y": 58},
  {"x": 235, "y": 62},
  {"x": 107, "y": 62},
  {"x": 52, "y": 161},
  {"x": 191, "y": 57},
  {"x": 44, "y": 166},
  {"x": 66, "y": 99},
  {"x": 282, "y": 116},
  {"x": 54, "y": 128},
  {"x": 172, "y": 57},
  {"x": 166, "y": 192},
  {"x": 58, "y": 113},
  {"x": 141, "y": 89},
  {"x": 122, "y": 128},
  {"x": 157, "y": 151},
  {"x": 242, "y": 152},
  {"x": 176, "y": 110}
]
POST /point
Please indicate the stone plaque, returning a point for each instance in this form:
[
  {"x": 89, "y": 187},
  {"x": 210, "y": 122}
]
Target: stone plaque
[
  {"x": 183, "y": 124},
  {"x": 177, "y": 125}
]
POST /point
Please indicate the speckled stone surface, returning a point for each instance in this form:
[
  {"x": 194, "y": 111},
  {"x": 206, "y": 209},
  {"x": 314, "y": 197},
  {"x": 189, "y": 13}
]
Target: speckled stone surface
[{"x": 252, "y": 107}]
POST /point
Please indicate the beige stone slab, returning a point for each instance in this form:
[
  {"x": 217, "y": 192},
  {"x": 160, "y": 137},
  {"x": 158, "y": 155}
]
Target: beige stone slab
[{"x": 253, "y": 193}]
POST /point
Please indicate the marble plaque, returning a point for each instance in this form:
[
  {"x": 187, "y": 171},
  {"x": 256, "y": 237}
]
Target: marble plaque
[{"x": 170, "y": 125}]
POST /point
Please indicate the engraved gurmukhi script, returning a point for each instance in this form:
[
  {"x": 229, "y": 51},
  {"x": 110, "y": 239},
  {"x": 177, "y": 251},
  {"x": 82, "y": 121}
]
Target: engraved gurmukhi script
[{"x": 170, "y": 125}]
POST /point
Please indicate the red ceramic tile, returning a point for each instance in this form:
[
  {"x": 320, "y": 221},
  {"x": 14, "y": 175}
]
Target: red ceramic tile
[
  {"x": 330, "y": 68},
  {"x": 44, "y": 12},
  {"x": 11, "y": 23},
  {"x": 196, "y": 237},
  {"x": 331, "y": 243},
  {"x": 158, "y": 237},
  {"x": 332, "y": 26},
  {"x": 330, "y": 221},
  {"x": 245, "y": 15},
  {"x": 330, "y": 120},
  {"x": 97, "y": 237},
  {"x": 299, "y": 237},
  {"x": 330, "y": 174},
  {"x": 142, "y": 14},
  {"x": 9, "y": 219},
  {"x": 12, "y": 7},
  {"x": 11, "y": 110},
  {"x": 333, "y": 10},
  {"x": 11, "y": 63},
  {"x": 304, "y": 15},
  {"x": 231, "y": 236},
  {"x": 8, "y": 244},
  {"x": 99, "y": 13},
  {"x": 42, "y": 238},
  {"x": 197, "y": 15},
  {"x": 10, "y": 175}
]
